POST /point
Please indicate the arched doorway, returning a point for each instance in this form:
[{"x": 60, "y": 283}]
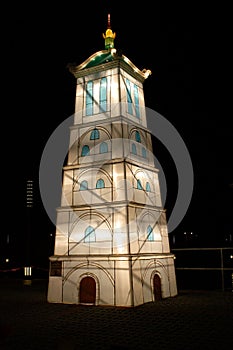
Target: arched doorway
[
  {"x": 157, "y": 287},
  {"x": 87, "y": 291}
]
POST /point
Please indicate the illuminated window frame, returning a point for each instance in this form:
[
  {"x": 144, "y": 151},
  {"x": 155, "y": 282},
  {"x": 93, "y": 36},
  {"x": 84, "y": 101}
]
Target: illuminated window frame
[
  {"x": 89, "y": 235},
  {"x": 89, "y": 98},
  {"x": 95, "y": 134},
  {"x": 148, "y": 188},
  {"x": 129, "y": 97},
  {"x": 136, "y": 100},
  {"x": 83, "y": 185},
  {"x": 144, "y": 153},
  {"x": 150, "y": 233},
  {"x": 137, "y": 136},
  {"x": 104, "y": 147},
  {"x": 100, "y": 183},
  {"x": 85, "y": 151},
  {"x": 139, "y": 185},
  {"x": 103, "y": 95},
  {"x": 134, "y": 149}
]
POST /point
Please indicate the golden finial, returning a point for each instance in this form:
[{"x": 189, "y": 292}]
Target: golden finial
[{"x": 109, "y": 36}]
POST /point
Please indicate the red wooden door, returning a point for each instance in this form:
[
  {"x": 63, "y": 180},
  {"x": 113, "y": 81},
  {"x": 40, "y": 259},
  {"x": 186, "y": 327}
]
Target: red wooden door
[
  {"x": 87, "y": 290},
  {"x": 157, "y": 288}
]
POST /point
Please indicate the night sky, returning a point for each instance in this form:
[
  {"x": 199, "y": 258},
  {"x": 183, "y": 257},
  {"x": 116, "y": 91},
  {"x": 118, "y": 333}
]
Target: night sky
[{"x": 173, "y": 40}]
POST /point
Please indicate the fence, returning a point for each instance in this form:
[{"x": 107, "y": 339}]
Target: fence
[{"x": 204, "y": 268}]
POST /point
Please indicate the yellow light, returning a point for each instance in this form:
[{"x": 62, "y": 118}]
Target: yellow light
[{"x": 27, "y": 271}]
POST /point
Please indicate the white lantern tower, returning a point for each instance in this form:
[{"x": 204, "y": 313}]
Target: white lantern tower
[{"x": 111, "y": 243}]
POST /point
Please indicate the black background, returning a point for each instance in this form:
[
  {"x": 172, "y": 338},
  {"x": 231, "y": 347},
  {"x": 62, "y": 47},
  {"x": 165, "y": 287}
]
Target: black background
[{"x": 175, "y": 40}]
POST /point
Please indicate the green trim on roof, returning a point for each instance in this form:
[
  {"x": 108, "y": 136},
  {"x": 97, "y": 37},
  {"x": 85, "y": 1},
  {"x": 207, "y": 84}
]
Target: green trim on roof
[{"x": 100, "y": 59}]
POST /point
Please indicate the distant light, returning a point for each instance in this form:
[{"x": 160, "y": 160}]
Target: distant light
[
  {"x": 231, "y": 256},
  {"x": 27, "y": 271},
  {"x": 29, "y": 194},
  {"x": 7, "y": 260}
]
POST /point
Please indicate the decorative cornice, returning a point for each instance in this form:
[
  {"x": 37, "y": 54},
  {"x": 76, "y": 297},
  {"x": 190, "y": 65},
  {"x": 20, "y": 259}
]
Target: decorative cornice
[{"x": 117, "y": 60}]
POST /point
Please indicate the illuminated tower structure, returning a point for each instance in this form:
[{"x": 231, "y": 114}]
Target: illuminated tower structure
[{"x": 111, "y": 243}]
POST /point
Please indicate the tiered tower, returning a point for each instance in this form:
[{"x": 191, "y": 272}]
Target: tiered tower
[{"x": 111, "y": 243}]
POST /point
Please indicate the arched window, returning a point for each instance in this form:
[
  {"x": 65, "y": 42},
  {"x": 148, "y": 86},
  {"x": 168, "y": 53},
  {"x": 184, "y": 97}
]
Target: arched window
[
  {"x": 136, "y": 99},
  {"x": 150, "y": 233},
  {"x": 103, "y": 95},
  {"x": 89, "y": 98},
  {"x": 85, "y": 151},
  {"x": 89, "y": 235},
  {"x": 134, "y": 149},
  {"x": 83, "y": 185},
  {"x": 103, "y": 147},
  {"x": 137, "y": 136},
  {"x": 100, "y": 183},
  {"x": 139, "y": 185},
  {"x": 129, "y": 97},
  {"x": 143, "y": 152},
  {"x": 95, "y": 134},
  {"x": 148, "y": 189}
]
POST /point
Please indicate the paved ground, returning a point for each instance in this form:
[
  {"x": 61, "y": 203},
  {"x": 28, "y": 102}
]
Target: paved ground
[{"x": 192, "y": 320}]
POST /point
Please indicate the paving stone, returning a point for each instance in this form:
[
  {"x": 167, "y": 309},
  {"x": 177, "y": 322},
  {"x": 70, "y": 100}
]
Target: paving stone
[{"x": 192, "y": 320}]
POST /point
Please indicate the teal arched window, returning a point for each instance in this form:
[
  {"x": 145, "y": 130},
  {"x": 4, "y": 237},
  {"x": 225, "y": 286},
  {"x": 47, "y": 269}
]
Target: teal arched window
[
  {"x": 148, "y": 189},
  {"x": 144, "y": 152},
  {"x": 136, "y": 99},
  {"x": 100, "y": 183},
  {"x": 83, "y": 185},
  {"x": 139, "y": 185},
  {"x": 103, "y": 95},
  {"x": 134, "y": 149},
  {"x": 95, "y": 134},
  {"x": 137, "y": 136},
  {"x": 103, "y": 147},
  {"x": 150, "y": 233},
  {"x": 89, "y": 98},
  {"x": 129, "y": 97},
  {"x": 89, "y": 235},
  {"x": 85, "y": 151}
]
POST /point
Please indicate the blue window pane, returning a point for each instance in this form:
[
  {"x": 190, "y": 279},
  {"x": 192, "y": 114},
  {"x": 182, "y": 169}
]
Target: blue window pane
[
  {"x": 129, "y": 98},
  {"x": 139, "y": 185},
  {"x": 136, "y": 99},
  {"x": 148, "y": 189},
  {"x": 137, "y": 136},
  {"x": 89, "y": 98},
  {"x": 150, "y": 233},
  {"x": 85, "y": 151},
  {"x": 89, "y": 234},
  {"x": 134, "y": 149},
  {"x": 95, "y": 134},
  {"x": 103, "y": 95},
  {"x": 144, "y": 152},
  {"x": 100, "y": 183},
  {"x": 83, "y": 185},
  {"x": 103, "y": 147}
]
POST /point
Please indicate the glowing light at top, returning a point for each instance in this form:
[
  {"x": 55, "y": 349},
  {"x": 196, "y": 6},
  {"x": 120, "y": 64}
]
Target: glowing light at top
[{"x": 109, "y": 36}]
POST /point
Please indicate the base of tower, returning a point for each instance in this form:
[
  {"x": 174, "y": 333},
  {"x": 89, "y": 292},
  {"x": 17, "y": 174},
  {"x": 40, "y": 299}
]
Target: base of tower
[{"x": 116, "y": 280}]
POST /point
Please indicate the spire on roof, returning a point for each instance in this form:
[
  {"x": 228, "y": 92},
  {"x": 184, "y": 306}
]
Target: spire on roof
[{"x": 109, "y": 36}]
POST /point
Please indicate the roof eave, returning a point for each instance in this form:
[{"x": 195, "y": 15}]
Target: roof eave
[{"x": 118, "y": 60}]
